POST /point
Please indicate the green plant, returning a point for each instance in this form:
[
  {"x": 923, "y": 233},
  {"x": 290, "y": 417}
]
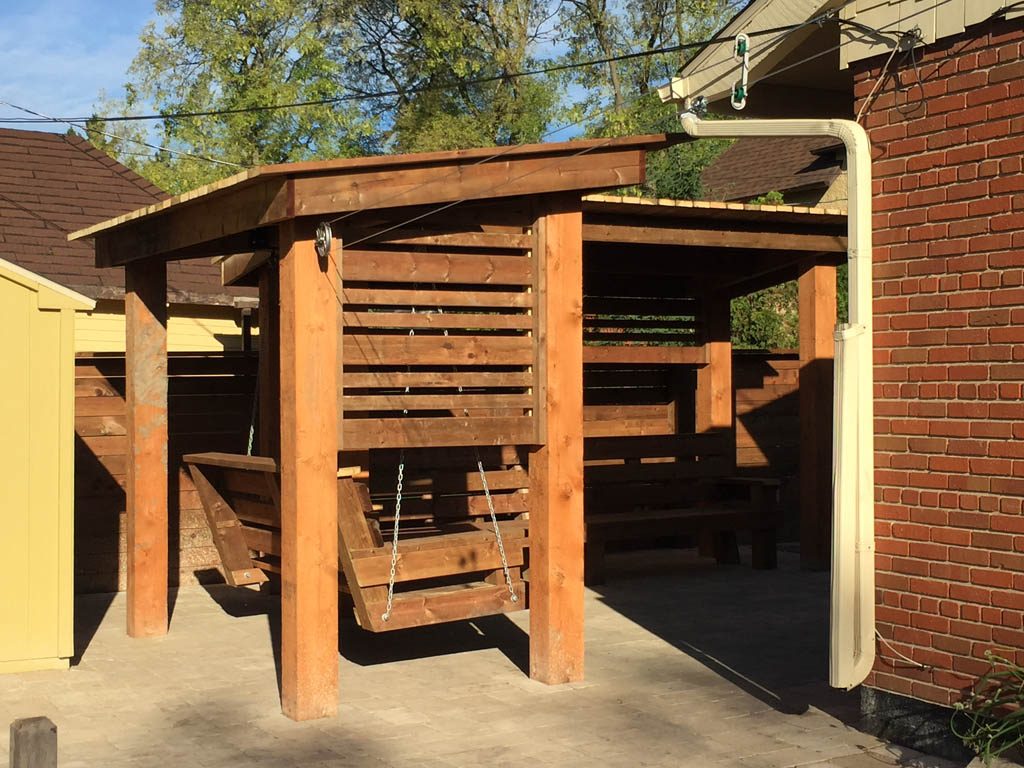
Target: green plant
[
  {"x": 769, "y": 198},
  {"x": 991, "y": 719}
]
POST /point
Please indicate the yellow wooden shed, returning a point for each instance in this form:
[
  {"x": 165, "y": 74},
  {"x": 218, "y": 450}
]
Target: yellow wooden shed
[{"x": 37, "y": 432}]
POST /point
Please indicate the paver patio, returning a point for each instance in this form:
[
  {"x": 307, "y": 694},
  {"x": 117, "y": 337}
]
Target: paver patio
[{"x": 688, "y": 664}]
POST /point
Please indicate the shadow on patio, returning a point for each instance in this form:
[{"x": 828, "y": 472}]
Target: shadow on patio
[{"x": 764, "y": 631}]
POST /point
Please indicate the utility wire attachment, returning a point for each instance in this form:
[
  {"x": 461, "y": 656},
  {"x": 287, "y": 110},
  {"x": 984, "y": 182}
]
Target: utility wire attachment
[{"x": 741, "y": 53}]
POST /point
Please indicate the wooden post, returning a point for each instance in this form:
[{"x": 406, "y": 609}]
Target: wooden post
[
  {"x": 33, "y": 743},
  {"x": 269, "y": 364},
  {"x": 309, "y": 483},
  {"x": 817, "y": 288},
  {"x": 556, "y": 468},
  {"x": 714, "y": 379},
  {"x": 146, "y": 396}
]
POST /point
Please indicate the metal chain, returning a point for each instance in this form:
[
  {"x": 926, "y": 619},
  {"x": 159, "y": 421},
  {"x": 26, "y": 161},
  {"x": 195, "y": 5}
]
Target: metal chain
[
  {"x": 394, "y": 537},
  {"x": 497, "y": 532}
]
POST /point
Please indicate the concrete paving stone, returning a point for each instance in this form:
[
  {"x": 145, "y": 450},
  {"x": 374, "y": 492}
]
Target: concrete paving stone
[{"x": 680, "y": 664}]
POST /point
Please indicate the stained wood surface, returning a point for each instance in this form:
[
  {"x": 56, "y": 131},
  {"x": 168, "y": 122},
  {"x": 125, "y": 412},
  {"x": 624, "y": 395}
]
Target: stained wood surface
[
  {"x": 436, "y": 333},
  {"x": 147, "y": 470},
  {"x": 817, "y": 298},
  {"x": 714, "y": 380},
  {"x": 621, "y": 400},
  {"x": 309, "y": 496},
  {"x": 226, "y": 528},
  {"x": 556, "y": 468},
  {"x": 267, "y": 195}
]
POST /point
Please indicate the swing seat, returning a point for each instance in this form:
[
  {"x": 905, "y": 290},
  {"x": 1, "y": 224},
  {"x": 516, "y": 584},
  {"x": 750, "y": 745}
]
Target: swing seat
[{"x": 453, "y": 573}]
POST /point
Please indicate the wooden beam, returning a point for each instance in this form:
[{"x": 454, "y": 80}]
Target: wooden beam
[
  {"x": 648, "y": 233},
  {"x": 238, "y": 268},
  {"x": 145, "y": 298},
  {"x": 361, "y": 189},
  {"x": 309, "y": 466},
  {"x": 189, "y": 224},
  {"x": 640, "y": 355},
  {"x": 817, "y": 301},
  {"x": 556, "y": 468},
  {"x": 269, "y": 392},
  {"x": 714, "y": 380}
]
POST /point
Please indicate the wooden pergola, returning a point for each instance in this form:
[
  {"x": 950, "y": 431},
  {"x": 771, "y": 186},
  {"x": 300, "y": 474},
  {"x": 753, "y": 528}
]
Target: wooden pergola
[{"x": 471, "y": 271}]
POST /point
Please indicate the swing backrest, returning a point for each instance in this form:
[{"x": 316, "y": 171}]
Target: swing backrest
[{"x": 442, "y": 487}]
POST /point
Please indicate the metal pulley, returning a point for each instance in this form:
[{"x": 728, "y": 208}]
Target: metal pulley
[{"x": 324, "y": 237}]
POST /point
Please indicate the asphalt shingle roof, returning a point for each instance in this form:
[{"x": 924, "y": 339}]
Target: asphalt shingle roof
[
  {"x": 52, "y": 184},
  {"x": 754, "y": 166}
]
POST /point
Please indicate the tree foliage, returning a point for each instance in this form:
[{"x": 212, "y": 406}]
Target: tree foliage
[
  {"x": 445, "y": 68},
  {"x": 223, "y": 55},
  {"x": 418, "y": 75}
]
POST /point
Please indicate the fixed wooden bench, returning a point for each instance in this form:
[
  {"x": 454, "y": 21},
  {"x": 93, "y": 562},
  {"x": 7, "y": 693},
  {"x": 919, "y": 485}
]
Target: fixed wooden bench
[
  {"x": 645, "y": 487},
  {"x": 443, "y": 572}
]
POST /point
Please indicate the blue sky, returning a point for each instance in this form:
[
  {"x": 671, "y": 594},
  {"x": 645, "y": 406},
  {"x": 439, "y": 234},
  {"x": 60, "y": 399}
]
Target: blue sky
[{"x": 57, "y": 55}]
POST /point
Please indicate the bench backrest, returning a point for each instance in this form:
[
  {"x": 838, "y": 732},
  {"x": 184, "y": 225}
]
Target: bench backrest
[{"x": 652, "y": 471}]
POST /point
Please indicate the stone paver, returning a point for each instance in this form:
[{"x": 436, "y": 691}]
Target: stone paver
[{"x": 687, "y": 665}]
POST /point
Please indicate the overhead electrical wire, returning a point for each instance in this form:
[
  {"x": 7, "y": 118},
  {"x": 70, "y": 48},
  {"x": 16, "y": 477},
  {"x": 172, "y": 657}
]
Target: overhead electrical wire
[
  {"x": 159, "y": 148},
  {"x": 431, "y": 87}
]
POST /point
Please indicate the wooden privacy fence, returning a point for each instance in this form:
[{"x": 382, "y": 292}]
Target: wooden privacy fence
[
  {"x": 211, "y": 404},
  {"x": 210, "y": 408}
]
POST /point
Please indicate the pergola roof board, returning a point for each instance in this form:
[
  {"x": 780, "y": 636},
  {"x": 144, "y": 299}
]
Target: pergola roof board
[
  {"x": 735, "y": 242},
  {"x": 199, "y": 222}
]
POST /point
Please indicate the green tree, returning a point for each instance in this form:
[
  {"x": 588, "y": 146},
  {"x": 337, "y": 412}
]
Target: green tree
[
  {"x": 224, "y": 55},
  {"x": 770, "y": 318},
  {"x": 432, "y": 53},
  {"x": 603, "y": 29}
]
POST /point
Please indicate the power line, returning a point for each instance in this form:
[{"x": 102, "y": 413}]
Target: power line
[
  {"x": 77, "y": 124},
  {"x": 428, "y": 88}
]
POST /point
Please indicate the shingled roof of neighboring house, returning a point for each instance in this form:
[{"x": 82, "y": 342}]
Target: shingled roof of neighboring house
[
  {"x": 754, "y": 166},
  {"x": 52, "y": 184}
]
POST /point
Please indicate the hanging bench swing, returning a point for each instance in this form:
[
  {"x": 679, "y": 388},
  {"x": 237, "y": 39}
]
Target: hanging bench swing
[
  {"x": 459, "y": 571},
  {"x": 452, "y": 571}
]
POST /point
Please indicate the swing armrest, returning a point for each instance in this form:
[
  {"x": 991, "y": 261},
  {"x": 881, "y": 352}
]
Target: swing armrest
[{"x": 232, "y": 461}]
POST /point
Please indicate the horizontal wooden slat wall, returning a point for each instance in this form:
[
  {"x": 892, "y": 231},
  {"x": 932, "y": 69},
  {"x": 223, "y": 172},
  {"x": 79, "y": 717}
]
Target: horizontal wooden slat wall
[
  {"x": 767, "y": 412},
  {"x": 211, "y": 398},
  {"x": 210, "y": 407},
  {"x": 438, "y": 333}
]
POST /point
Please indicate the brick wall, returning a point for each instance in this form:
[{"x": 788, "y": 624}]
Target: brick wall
[{"x": 947, "y": 138}]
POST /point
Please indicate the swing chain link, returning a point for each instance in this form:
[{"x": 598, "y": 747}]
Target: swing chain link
[
  {"x": 497, "y": 531},
  {"x": 394, "y": 538}
]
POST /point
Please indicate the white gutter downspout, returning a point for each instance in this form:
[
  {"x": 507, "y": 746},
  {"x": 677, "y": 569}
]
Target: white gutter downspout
[{"x": 852, "y": 636}]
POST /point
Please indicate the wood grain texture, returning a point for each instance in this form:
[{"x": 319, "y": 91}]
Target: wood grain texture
[
  {"x": 817, "y": 299},
  {"x": 714, "y": 380},
  {"x": 309, "y": 465},
  {"x": 146, "y": 400},
  {"x": 268, "y": 387},
  {"x": 556, "y": 469}
]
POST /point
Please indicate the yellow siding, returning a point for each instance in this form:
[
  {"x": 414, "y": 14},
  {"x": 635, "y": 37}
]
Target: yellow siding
[
  {"x": 36, "y": 474},
  {"x": 190, "y": 328}
]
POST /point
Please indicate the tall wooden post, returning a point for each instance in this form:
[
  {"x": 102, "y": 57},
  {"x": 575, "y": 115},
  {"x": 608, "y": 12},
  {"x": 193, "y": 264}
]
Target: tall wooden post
[
  {"x": 269, "y": 364},
  {"x": 309, "y": 468},
  {"x": 817, "y": 288},
  {"x": 556, "y": 468},
  {"x": 146, "y": 397},
  {"x": 714, "y": 379}
]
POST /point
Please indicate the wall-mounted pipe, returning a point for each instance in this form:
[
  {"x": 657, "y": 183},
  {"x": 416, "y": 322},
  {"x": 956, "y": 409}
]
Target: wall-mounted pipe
[{"x": 852, "y": 641}]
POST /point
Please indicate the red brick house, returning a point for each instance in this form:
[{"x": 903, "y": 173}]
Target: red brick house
[{"x": 940, "y": 89}]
